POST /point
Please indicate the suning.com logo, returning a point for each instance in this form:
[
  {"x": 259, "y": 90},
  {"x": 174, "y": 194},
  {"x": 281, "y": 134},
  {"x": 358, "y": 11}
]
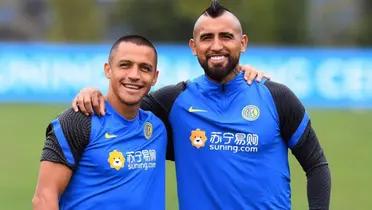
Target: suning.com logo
[{"x": 225, "y": 141}]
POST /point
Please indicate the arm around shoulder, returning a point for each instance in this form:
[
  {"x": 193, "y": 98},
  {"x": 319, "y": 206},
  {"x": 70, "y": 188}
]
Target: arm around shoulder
[
  {"x": 52, "y": 181},
  {"x": 160, "y": 103}
]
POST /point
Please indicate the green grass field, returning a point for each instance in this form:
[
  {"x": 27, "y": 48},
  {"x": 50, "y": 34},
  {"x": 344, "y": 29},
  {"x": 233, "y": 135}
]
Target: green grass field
[{"x": 344, "y": 134}]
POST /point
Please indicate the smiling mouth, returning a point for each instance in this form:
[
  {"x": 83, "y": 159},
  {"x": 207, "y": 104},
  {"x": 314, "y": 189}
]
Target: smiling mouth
[
  {"x": 132, "y": 86},
  {"x": 217, "y": 58}
]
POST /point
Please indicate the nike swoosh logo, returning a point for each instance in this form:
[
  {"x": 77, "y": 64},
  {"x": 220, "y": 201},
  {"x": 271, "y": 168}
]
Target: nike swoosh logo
[
  {"x": 191, "y": 109},
  {"x": 109, "y": 136}
]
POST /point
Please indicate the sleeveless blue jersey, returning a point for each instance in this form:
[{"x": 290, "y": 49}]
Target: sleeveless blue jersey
[
  {"x": 229, "y": 152},
  {"x": 122, "y": 166}
]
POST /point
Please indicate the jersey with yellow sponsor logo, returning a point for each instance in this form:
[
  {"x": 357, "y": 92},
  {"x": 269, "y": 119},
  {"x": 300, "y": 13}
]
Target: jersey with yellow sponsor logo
[
  {"x": 116, "y": 163},
  {"x": 231, "y": 142}
]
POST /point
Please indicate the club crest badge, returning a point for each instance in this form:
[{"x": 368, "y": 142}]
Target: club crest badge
[
  {"x": 147, "y": 130},
  {"x": 251, "y": 112}
]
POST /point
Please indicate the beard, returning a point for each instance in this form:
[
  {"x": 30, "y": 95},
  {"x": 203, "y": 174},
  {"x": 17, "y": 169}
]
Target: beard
[{"x": 219, "y": 72}]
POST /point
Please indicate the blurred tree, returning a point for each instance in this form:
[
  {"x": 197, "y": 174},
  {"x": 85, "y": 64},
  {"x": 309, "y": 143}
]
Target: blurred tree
[
  {"x": 364, "y": 36},
  {"x": 156, "y": 19},
  {"x": 290, "y": 21},
  {"x": 76, "y": 21},
  {"x": 267, "y": 21}
]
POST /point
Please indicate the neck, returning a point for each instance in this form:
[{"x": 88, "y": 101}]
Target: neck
[
  {"x": 128, "y": 111},
  {"x": 228, "y": 77}
]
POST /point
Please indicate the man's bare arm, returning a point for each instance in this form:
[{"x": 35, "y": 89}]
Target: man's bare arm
[{"x": 52, "y": 181}]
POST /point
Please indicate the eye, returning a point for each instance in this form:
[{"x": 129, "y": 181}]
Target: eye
[
  {"x": 206, "y": 37},
  {"x": 146, "y": 69},
  {"x": 227, "y": 36},
  {"x": 124, "y": 65}
]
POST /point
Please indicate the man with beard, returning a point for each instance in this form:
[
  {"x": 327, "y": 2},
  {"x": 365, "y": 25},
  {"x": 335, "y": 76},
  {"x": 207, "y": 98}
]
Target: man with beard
[{"x": 230, "y": 141}]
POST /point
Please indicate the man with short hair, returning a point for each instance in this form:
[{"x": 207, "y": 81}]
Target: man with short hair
[
  {"x": 230, "y": 141},
  {"x": 112, "y": 162}
]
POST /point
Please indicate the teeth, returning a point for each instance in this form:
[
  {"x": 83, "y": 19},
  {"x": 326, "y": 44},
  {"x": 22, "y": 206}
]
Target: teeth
[
  {"x": 132, "y": 86},
  {"x": 217, "y": 58}
]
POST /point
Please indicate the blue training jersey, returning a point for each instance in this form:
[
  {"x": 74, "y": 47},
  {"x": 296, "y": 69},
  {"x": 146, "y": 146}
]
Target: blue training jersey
[
  {"x": 121, "y": 166},
  {"x": 229, "y": 151},
  {"x": 230, "y": 144}
]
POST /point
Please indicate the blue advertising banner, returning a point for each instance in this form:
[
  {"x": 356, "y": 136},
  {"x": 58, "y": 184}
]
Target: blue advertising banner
[{"x": 49, "y": 73}]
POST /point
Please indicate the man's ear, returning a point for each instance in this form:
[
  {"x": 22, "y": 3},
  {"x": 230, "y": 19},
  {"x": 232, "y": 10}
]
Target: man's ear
[
  {"x": 192, "y": 46},
  {"x": 244, "y": 43},
  {"x": 107, "y": 69},
  {"x": 155, "y": 78}
]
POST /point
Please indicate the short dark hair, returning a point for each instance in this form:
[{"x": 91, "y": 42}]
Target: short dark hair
[
  {"x": 215, "y": 9},
  {"x": 135, "y": 39}
]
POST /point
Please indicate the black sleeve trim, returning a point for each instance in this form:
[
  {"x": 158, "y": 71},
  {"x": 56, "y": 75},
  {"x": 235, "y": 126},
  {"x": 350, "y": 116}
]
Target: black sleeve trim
[
  {"x": 160, "y": 103},
  {"x": 52, "y": 151},
  {"x": 289, "y": 108},
  {"x": 307, "y": 150},
  {"x": 76, "y": 128},
  {"x": 310, "y": 155}
]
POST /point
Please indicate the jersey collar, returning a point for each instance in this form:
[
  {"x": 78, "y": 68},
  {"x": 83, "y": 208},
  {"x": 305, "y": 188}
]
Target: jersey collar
[
  {"x": 236, "y": 84},
  {"x": 111, "y": 111}
]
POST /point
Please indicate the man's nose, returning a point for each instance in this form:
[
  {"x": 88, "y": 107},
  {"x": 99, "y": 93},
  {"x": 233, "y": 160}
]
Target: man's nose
[
  {"x": 134, "y": 73},
  {"x": 216, "y": 45}
]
